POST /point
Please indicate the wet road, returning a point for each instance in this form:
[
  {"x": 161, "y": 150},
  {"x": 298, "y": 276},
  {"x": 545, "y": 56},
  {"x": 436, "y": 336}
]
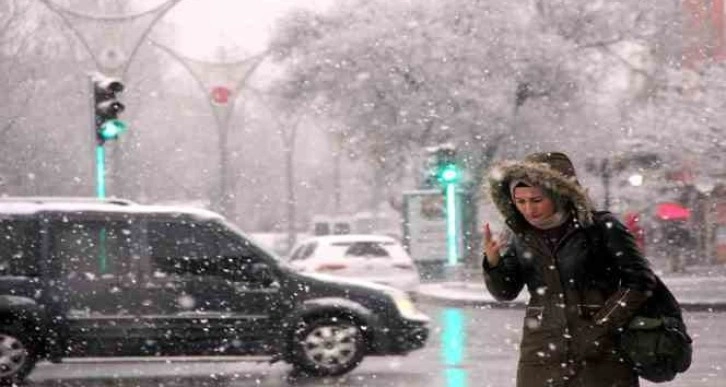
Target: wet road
[{"x": 468, "y": 347}]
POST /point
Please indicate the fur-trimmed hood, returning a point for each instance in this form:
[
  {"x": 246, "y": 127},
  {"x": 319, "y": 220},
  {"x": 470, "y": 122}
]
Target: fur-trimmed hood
[{"x": 552, "y": 171}]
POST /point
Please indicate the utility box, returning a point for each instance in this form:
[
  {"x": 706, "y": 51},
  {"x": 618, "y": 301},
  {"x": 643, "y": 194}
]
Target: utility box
[{"x": 425, "y": 231}]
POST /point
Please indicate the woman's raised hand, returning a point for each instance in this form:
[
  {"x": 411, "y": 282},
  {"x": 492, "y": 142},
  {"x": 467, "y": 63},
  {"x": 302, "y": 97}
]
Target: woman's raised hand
[{"x": 491, "y": 247}]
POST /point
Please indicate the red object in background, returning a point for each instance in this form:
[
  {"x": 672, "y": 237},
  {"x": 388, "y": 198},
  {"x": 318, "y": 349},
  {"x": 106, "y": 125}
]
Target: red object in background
[
  {"x": 672, "y": 211},
  {"x": 632, "y": 222},
  {"x": 220, "y": 95}
]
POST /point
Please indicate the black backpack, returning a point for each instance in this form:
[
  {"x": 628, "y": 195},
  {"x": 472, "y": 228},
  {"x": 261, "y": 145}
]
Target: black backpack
[{"x": 655, "y": 341}]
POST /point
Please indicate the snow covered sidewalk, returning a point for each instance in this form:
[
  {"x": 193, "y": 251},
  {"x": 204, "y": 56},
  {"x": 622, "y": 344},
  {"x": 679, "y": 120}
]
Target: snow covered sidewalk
[{"x": 703, "y": 291}]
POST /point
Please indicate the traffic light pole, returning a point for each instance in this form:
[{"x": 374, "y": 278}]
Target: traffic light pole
[
  {"x": 100, "y": 171},
  {"x": 452, "y": 240},
  {"x": 99, "y": 161}
]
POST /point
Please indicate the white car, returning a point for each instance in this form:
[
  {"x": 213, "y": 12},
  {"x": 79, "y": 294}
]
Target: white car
[{"x": 374, "y": 258}]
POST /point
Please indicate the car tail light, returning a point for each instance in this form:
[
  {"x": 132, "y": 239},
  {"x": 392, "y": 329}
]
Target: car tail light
[
  {"x": 330, "y": 267},
  {"x": 403, "y": 265}
]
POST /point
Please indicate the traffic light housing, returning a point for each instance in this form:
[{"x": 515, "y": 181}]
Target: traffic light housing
[
  {"x": 448, "y": 173},
  {"x": 447, "y": 168},
  {"x": 107, "y": 108}
]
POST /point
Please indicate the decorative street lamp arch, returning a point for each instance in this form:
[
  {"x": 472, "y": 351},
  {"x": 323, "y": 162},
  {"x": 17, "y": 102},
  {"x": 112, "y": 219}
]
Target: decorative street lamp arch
[
  {"x": 221, "y": 83},
  {"x": 103, "y": 36}
]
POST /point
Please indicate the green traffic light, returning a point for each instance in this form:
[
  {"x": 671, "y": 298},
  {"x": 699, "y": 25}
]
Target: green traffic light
[
  {"x": 449, "y": 174},
  {"x": 111, "y": 129}
]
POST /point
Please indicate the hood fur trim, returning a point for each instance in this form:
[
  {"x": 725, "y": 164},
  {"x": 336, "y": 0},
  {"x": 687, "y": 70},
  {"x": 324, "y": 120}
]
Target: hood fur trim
[{"x": 539, "y": 174}]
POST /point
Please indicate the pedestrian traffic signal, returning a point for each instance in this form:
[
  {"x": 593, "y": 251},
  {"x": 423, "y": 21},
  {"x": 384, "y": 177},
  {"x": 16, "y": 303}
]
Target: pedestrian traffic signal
[{"x": 107, "y": 108}]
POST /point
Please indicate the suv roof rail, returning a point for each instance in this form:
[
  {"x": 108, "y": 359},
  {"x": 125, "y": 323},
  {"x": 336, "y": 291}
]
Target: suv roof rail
[{"x": 65, "y": 199}]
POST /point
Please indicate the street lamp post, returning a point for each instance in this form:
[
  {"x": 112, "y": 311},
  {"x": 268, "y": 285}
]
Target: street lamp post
[
  {"x": 603, "y": 168},
  {"x": 221, "y": 82},
  {"x": 606, "y": 172},
  {"x": 608, "y": 168}
]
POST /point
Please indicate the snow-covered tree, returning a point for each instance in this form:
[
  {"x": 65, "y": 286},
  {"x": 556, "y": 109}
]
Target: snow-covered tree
[
  {"x": 405, "y": 76},
  {"x": 683, "y": 121}
]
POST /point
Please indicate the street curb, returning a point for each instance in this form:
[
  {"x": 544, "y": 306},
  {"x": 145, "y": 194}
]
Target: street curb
[{"x": 448, "y": 301}]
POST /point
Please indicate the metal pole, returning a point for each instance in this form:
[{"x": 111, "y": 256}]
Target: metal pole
[
  {"x": 451, "y": 220},
  {"x": 100, "y": 172},
  {"x": 92, "y": 110},
  {"x": 336, "y": 179}
]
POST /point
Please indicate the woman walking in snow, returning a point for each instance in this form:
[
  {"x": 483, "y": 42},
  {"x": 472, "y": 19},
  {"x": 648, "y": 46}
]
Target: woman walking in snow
[{"x": 584, "y": 273}]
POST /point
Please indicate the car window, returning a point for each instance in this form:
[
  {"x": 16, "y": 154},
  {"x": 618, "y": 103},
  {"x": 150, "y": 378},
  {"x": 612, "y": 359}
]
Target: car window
[
  {"x": 237, "y": 256},
  {"x": 181, "y": 247},
  {"x": 367, "y": 249},
  {"x": 304, "y": 251},
  {"x": 231, "y": 244},
  {"x": 18, "y": 247},
  {"x": 199, "y": 249},
  {"x": 309, "y": 250},
  {"x": 297, "y": 254},
  {"x": 92, "y": 248}
]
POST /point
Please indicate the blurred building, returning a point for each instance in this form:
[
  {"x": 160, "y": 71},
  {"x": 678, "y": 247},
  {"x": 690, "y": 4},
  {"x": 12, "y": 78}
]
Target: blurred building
[{"x": 704, "y": 32}]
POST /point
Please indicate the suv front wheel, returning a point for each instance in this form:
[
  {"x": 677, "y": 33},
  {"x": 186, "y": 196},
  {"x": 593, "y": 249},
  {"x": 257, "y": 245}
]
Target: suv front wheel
[
  {"x": 17, "y": 357},
  {"x": 328, "y": 347}
]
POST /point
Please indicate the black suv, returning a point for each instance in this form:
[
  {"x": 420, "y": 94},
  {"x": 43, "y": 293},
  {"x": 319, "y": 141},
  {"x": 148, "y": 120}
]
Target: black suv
[{"x": 88, "y": 277}]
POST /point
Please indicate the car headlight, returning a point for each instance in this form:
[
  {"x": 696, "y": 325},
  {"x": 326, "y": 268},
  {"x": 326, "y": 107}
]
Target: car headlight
[{"x": 405, "y": 306}]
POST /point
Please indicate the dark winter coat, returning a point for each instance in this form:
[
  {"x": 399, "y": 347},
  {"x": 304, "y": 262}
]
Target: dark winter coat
[{"x": 579, "y": 296}]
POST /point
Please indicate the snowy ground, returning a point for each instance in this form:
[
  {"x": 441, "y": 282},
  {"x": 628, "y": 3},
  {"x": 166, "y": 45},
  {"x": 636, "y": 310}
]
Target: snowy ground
[{"x": 700, "y": 288}]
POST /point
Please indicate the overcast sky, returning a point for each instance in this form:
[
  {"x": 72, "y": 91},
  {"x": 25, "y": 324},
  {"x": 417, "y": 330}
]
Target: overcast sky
[{"x": 239, "y": 25}]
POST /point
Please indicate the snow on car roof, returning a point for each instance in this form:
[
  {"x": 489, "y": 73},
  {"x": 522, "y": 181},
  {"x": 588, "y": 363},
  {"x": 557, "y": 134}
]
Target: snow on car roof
[{"x": 31, "y": 205}]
